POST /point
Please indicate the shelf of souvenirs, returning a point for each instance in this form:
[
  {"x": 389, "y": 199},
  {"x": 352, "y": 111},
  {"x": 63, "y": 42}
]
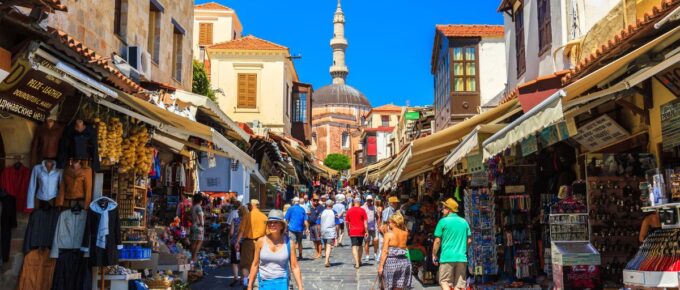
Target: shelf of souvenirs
[{"x": 662, "y": 206}]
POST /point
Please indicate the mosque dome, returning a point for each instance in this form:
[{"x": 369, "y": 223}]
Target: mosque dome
[{"x": 341, "y": 95}]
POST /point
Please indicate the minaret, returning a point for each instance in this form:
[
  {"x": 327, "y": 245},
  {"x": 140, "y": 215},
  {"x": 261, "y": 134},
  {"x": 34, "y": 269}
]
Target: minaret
[{"x": 339, "y": 70}]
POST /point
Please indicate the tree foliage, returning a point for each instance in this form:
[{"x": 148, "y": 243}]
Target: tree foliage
[
  {"x": 201, "y": 84},
  {"x": 337, "y": 162}
]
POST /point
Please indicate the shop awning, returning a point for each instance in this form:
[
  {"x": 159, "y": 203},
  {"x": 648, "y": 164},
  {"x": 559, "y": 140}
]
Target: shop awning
[
  {"x": 618, "y": 66},
  {"x": 371, "y": 167},
  {"x": 470, "y": 144},
  {"x": 425, "y": 151},
  {"x": 212, "y": 110},
  {"x": 544, "y": 114},
  {"x": 180, "y": 127}
]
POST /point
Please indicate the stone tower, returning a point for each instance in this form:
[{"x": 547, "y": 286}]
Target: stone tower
[{"x": 339, "y": 70}]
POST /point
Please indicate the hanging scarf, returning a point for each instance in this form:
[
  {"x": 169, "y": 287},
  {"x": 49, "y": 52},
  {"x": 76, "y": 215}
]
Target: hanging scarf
[{"x": 103, "y": 228}]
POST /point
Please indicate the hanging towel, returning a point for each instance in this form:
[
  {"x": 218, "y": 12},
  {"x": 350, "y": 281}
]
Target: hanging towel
[{"x": 103, "y": 228}]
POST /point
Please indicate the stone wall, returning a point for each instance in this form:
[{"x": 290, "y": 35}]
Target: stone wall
[{"x": 92, "y": 23}]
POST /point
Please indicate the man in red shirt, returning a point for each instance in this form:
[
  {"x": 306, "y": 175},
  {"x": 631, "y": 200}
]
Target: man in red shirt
[{"x": 357, "y": 221}]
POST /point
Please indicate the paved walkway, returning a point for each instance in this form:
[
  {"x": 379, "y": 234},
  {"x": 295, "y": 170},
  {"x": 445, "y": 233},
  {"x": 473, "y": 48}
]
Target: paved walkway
[{"x": 341, "y": 274}]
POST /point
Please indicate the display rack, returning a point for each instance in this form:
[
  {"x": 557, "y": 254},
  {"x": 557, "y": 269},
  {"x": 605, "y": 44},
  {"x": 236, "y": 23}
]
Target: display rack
[{"x": 480, "y": 213}]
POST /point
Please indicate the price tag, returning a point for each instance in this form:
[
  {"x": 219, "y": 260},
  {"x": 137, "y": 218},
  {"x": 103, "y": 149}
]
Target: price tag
[{"x": 479, "y": 270}]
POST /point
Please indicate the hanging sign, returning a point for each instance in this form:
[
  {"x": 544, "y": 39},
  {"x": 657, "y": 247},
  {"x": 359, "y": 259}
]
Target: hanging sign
[
  {"x": 670, "y": 78},
  {"x": 31, "y": 93},
  {"x": 600, "y": 132},
  {"x": 412, "y": 116},
  {"x": 529, "y": 145},
  {"x": 670, "y": 125}
]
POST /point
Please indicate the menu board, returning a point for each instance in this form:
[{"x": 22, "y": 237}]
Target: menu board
[
  {"x": 670, "y": 125},
  {"x": 600, "y": 132}
]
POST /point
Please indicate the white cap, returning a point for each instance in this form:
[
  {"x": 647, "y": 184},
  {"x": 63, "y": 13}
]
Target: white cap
[
  {"x": 296, "y": 200},
  {"x": 369, "y": 197}
]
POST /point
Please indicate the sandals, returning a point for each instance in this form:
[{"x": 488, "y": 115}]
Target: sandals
[
  {"x": 233, "y": 283},
  {"x": 328, "y": 265}
]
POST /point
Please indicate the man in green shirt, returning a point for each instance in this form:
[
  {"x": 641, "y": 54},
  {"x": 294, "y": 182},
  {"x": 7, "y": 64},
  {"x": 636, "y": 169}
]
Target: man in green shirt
[{"x": 453, "y": 235}]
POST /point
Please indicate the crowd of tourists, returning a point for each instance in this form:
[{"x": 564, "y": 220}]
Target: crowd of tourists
[{"x": 267, "y": 248}]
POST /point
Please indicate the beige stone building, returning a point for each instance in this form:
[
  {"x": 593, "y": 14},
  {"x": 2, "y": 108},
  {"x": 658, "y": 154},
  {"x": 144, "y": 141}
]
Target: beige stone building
[
  {"x": 338, "y": 108},
  {"x": 214, "y": 23},
  {"x": 153, "y": 36}
]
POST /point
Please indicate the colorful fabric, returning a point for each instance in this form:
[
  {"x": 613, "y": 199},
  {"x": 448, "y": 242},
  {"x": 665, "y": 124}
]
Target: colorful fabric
[{"x": 397, "y": 270}]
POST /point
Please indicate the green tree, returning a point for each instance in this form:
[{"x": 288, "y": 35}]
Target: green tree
[
  {"x": 337, "y": 162},
  {"x": 201, "y": 83}
]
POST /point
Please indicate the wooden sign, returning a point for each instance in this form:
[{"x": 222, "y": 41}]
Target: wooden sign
[
  {"x": 670, "y": 78},
  {"x": 31, "y": 93},
  {"x": 600, "y": 132}
]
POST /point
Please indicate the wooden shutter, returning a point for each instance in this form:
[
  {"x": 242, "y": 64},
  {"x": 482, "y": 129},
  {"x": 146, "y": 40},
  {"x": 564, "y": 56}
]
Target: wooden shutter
[
  {"x": 519, "y": 41},
  {"x": 247, "y": 91},
  {"x": 544, "y": 28},
  {"x": 205, "y": 34}
]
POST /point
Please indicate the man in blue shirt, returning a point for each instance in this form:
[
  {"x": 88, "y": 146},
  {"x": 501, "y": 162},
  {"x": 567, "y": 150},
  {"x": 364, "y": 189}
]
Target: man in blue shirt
[{"x": 297, "y": 224}]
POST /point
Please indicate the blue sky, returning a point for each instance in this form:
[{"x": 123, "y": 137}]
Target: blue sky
[{"x": 390, "y": 41}]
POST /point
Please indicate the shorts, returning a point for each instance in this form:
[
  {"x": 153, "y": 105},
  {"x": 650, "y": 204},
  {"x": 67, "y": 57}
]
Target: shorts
[
  {"x": 315, "y": 233},
  {"x": 341, "y": 226},
  {"x": 295, "y": 236},
  {"x": 453, "y": 274},
  {"x": 357, "y": 241},
  {"x": 197, "y": 233},
  {"x": 233, "y": 257},
  {"x": 372, "y": 236},
  {"x": 247, "y": 253},
  {"x": 329, "y": 241}
]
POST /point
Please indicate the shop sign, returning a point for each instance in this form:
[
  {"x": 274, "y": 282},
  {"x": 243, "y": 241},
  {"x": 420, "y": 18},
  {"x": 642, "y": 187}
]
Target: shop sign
[
  {"x": 529, "y": 145},
  {"x": 670, "y": 125},
  {"x": 600, "y": 132},
  {"x": 553, "y": 134},
  {"x": 412, "y": 116},
  {"x": 670, "y": 78},
  {"x": 474, "y": 163},
  {"x": 31, "y": 93}
]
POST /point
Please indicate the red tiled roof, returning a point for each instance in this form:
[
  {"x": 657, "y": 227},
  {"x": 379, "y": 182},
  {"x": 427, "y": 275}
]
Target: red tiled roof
[
  {"x": 118, "y": 79},
  {"x": 248, "y": 43},
  {"x": 388, "y": 107},
  {"x": 53, "y": 4},
  {"x": 212, "y": 6},
  {"x": 515, "y": 93},
  {"x": 615, "y": 45},
  {"x": 473, "y": 30}
]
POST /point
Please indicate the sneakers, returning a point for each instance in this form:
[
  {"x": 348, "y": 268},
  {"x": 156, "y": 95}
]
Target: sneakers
[
  {"x": 374, "y": 257},
  {"x": 364, "y": 259}
]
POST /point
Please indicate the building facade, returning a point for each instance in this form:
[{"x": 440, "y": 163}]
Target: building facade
[
  {"x": 376, "y": 136},
  {"x": 338, "y": 108},
  {"x": 301, "y": 112},
  {"x": 254, "y": 79},
  {"x": 153, "y": 37},
  {"x": 465, "y": 62},
  {"x": 213, "y": 23},
  {"x": 556, "y": 24}
]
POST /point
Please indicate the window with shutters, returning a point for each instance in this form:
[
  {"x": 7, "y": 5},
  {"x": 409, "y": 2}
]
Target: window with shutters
[
  {"x": 544, "y": 30},
  {"x": 247, "y": 91},
  {"x": 120, "y": 17},
  {"x": 177, "y": 39},
  {"x": 205, "y": 34},
  {"x": 519, "y": 41},
  {"x": 154, "y": 37}
]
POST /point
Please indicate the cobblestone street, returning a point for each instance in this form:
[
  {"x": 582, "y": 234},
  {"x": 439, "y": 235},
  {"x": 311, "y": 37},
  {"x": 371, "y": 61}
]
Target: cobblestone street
[{"x": 341, "y": 274}]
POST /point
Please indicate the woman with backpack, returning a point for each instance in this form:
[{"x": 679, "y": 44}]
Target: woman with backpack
[{"x": 273, "y": 261}]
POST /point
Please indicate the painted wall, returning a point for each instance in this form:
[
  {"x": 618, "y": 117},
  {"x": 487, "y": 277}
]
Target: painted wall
[
  {"x": 563, "y": 30},
  {"x": 491, "y": 78},
  {"x": 92, "y": 23},
  {"x": 240, "y": 181},
  {"x": 226, "y": 25},
  {"x": 375, "y": 119},
  {"x": 272, "y": 78},
  {"x": 382, "y": 142}
]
